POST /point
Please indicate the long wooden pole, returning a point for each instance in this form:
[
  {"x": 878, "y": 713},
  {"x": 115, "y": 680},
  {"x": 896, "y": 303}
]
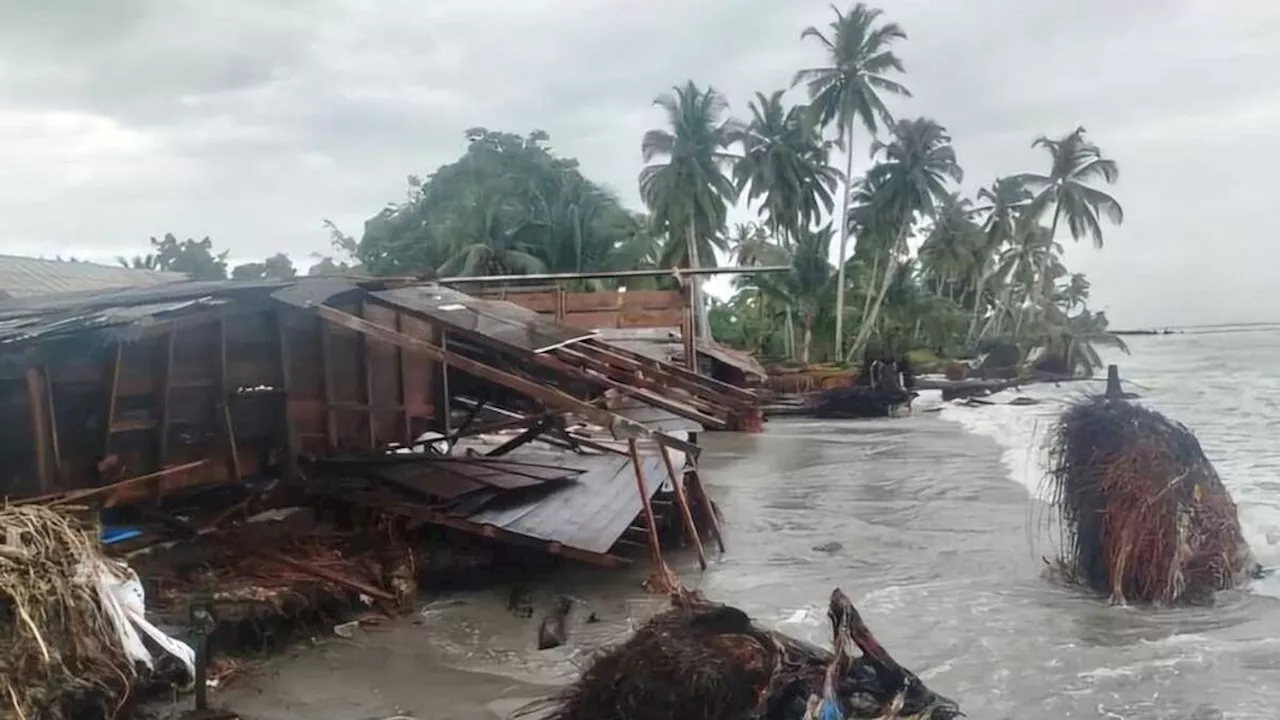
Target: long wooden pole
[
  {"x": 682, "y": 500},
  {"x": 658, "y": 565}
]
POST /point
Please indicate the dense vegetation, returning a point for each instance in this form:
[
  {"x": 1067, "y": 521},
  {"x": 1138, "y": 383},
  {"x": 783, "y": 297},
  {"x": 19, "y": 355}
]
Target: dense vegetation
[{"x": 984, "y": 270}]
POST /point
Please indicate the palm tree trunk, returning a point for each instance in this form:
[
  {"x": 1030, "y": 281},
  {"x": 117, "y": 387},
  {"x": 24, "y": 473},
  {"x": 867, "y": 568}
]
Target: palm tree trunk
[
  {"x": 808, "y": 338},
  {"x": 866, "y": 301},
  {"x": 1041, "y": 281},
  {"x": 979, "y": 287},
  {"x": 915, "y": 334},
  {"x": 703, "y": 326},
  {"x": 864, "y": 332},
  {"x": 791, "y": 335},
  {"x": 844, "y": 238}
]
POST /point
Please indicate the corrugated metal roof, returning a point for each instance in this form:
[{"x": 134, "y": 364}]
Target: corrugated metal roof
[
  {"x": 22, "y": 328},
  {"x": 591, "y": 512},
  {"x": 26, "y": 277},
  {"x": 448, "y": 478},
  {"x": 501, "y": 322}
]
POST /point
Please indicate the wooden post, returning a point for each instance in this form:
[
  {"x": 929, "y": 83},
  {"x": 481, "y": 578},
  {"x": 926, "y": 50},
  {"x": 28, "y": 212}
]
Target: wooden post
[
  {"x": 330, "y": 423},
  {"x": 444, "y": 381},
  {"x": 162, "y": 446},
  {"x": 705, "y": 501},
  {"x": 688, "y": 329},
  {"x": 39, "y": 417},
  {"x": 112, "y": 388},
  {"x": 403, "y": 369},
  {"x": 290, "y": 462},
  {"x": 224, "y": 388},
  {"x": 368, "y": 387},
  {"x": 682, "y": 500},
  {"x": 652, "y": 523},
  {"x": 53, "y": 423},
  {"x": 1114, "y": 391}
]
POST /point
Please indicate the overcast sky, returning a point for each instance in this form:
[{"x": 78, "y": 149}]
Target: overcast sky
[{"x": 253, "y": 121}]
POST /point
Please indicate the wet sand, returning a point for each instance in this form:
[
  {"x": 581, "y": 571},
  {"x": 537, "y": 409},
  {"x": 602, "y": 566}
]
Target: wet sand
[{"x": 913, "y": 517}]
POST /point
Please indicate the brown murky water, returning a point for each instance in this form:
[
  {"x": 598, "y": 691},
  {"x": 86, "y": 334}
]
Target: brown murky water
[{"x": 914, "y": 518}]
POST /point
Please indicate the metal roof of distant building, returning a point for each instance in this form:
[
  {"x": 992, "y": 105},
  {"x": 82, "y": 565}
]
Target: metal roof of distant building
[{"x": 26, "y": 276}]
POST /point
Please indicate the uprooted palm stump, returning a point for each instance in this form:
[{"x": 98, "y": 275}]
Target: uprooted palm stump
[
  {"x": 703, "y": 661},
  {"x": 1144, "y": 516}
]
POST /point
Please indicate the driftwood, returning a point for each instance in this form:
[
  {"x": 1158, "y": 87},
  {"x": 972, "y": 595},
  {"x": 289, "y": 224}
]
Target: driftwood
[{"x": 704, "y": 661}]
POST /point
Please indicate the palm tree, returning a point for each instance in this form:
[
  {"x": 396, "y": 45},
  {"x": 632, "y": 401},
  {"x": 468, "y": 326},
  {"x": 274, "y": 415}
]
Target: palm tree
[
  {"x": 689, "y": 192},
  {"x": 949, "y": 250},
  {"x": 494, "y": 238},
  {"x": 847, "y": 91},
  {"x": 1004, "y": 199},
  {"x": 1068, "y": 342},
  {"x": 913, "y": 176},
  {"x": 1033, "y": 254},
  {"x": 784, "y": 166},
  {"x": 1074, "y": 293},
  {"x": 1074, "y": 162}
]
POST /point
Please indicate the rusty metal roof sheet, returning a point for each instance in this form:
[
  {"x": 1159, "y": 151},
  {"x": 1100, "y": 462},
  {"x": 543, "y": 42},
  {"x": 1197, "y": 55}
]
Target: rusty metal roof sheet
[
  {"x": 591, "y": 512},
  {"x": 497, "y": 321}
]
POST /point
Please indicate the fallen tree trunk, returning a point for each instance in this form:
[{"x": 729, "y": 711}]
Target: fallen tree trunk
[{"x": 703, "y": 661}]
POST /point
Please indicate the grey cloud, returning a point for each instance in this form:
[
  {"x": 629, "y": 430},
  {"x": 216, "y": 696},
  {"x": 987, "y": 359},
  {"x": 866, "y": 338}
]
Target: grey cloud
[{"x": 251, "y": 122}]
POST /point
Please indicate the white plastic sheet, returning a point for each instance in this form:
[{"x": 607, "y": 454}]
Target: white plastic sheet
[{"x": 124, "y": 601}]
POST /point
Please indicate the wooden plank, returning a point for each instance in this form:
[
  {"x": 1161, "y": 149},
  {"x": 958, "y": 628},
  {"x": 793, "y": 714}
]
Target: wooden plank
[
  {"x": 162, "y": 446},
  {"x": 38, "y": 412},
  {"x": 286, "y": 381},
  {"x": 326, "y": 367},
  {"x": 367, "y": 371},
  {"x": 682, "y": 501},
  {"x": 224, "y": 402},
  {"x": 650, "y": 520},
  {"x": 552, "y": 397},
  {"x": 693, "y": 376},
  {"x": 639, "y": 377},
  {"x": 402, "y": 368},
  {"x": 53, "y": 424},
  {"x": 107, "y": 492},
  {"x": 704, "y": 499},
  {"x": 112, "y": 389},
  {"x": 666, "y": 373},
  {"x": 647, "y": 396}
]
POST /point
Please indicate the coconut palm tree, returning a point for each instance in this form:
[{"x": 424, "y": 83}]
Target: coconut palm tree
[
  {"x": 784, "y": 166},
  {"x": 1002, "y": 202},
  {"x": 687, "y": 194},
  {"x": 909, "y": 181},
  {"x": 1074, "y": 293},
  {"x": 949, "y": 250},
  {"x": 1068, "y": 343},
  {"x": 847, "y": 91},
  {"x": 1074, "y": 162}
]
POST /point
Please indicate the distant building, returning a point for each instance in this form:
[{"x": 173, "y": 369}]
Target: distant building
[{"x": 22, "y": 277}]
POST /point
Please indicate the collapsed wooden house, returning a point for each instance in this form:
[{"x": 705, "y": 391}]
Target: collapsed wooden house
[
  {"x": 656, "y": 323},
  {"x": 361, "y": 388}
]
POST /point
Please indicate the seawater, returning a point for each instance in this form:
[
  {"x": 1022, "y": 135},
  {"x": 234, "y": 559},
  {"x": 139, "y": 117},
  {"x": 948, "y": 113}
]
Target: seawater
[{"x": 1224, "y": 386}]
